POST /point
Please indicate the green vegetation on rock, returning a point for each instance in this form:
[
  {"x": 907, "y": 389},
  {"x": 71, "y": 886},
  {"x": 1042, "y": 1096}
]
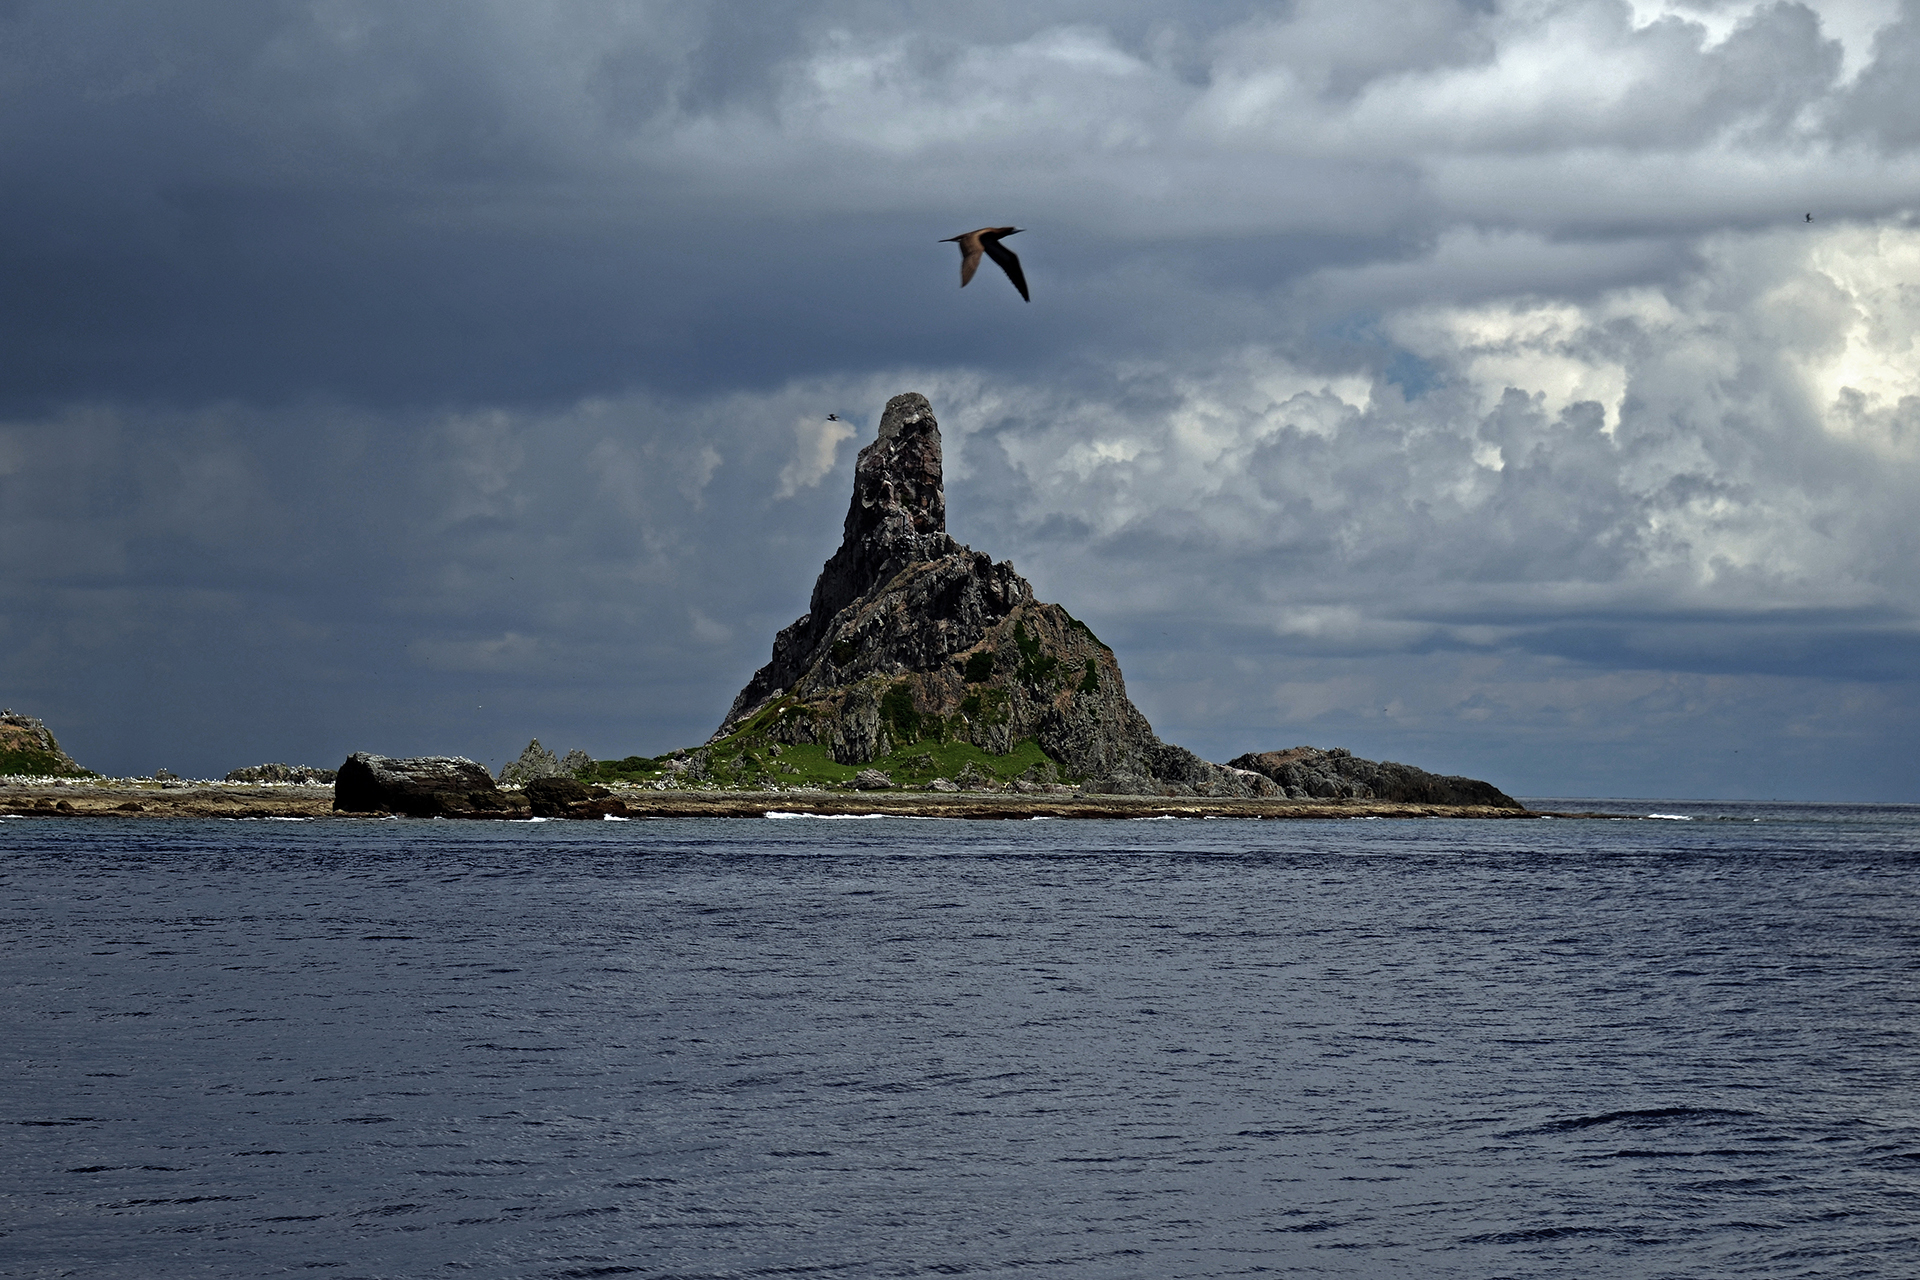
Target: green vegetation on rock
[
  {"x": 631, "y": 769},
  {"x": 40, "y": 764},
  {"x": 1036, "y": 664},
  {"x": 899, "y": 714},
  {"x": 737, "y": 762},
  {"x": 28, "y": 747}
]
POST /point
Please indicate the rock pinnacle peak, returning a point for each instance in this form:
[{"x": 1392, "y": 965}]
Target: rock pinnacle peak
[{"x": 911, "y": 636}]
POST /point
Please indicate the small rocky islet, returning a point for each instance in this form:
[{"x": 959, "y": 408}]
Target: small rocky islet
[{"x": 924, "y": 678}]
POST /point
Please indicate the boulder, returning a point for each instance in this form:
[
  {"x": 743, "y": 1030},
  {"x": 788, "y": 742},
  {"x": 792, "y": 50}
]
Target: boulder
[
  {"x": 973, "y": 778},
  {"x": 419, "y": 787},
  {"x": 871, "y": 780}
]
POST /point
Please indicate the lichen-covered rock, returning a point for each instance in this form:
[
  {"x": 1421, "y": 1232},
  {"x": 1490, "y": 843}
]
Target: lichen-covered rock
[
  {"x": 535, "y": 762},
  {"x": 28, "y": 747},
  {"x": 419, "y": 787},
  {"x": 871, "y": 780},
  {"x": 575, "y": 762},
  {"x": 974, "y": 778},
  {"x": 1310, "y": 773},
  {"x": 910, "y": 635}
]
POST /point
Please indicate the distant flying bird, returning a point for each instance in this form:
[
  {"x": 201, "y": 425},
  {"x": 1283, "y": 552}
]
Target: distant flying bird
[
  {"x": 1809, "y": 217},
  {"x": 833, "y": 417},
  {"x": 987, "y": 240}
]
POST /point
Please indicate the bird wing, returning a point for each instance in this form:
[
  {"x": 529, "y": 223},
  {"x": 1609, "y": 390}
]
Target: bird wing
[
  {"x": 1008, "y": 263},
  {"x": 969, "y": 258}
]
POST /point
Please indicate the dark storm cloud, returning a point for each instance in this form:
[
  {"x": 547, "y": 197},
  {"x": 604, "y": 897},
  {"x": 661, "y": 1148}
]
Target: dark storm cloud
[{"x": 1462, "y": 378}]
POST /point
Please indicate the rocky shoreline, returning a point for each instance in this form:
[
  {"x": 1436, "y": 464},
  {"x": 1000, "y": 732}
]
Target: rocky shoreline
[{"x": 136, "y": 799}]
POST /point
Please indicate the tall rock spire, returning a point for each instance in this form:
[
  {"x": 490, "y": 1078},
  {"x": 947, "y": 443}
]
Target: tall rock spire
[
  {"x": 898, "y": 516},
  {"x": 911, "y": 636},
  {"x": 899, "y": 510}
]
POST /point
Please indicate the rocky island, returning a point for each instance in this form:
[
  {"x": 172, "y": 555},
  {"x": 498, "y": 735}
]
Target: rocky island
[
  {"x": 924, "y": 678},
  {"x": 925, "y": 665}
]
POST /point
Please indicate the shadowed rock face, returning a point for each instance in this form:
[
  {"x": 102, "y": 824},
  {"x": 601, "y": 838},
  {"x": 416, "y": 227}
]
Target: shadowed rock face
[
  {"x": 420, "y": 787},
  {"x": 910, "y": 635},
  {"x": 1309, "y": 773}
]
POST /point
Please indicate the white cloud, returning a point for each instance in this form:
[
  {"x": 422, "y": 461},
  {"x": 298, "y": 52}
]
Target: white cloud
[{"x": 816, "y": 448}]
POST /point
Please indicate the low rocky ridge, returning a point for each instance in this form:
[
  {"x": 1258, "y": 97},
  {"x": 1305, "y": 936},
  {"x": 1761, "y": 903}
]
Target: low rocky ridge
[
  {"x": 456, "y": 787},
  {"x": 910, "y": 636},
  {"x": 1310, "y": 773},
  {"x": 28, "y": 748},
  {"x": 303, "y": 775}
]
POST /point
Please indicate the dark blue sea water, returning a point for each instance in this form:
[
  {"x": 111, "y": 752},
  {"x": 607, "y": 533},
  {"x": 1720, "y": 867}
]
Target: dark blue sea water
[{"x": 897, "y": 1048}]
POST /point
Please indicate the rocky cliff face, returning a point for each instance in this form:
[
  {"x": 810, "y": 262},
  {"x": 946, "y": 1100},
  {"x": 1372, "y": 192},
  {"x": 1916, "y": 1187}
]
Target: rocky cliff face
[
  {"x": 910, "y": 636},
  {"x": 28, "y": 747}
]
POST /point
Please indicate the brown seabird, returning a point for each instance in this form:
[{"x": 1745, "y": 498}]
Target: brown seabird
[{"x": 987, "y": 240}]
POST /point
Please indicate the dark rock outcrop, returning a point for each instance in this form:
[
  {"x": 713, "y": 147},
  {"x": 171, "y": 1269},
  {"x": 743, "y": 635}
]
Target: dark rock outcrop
[
  {"x": 549, "y": 797},
  {"x": 568, "y": 798},
  {"x": 419, "y": 787},
  {"x": 302, "y": 774},
  {"x": 1309, "y": 773},
  {"x": 910, "y": 635},
  {"x": 28, "y": 747}
]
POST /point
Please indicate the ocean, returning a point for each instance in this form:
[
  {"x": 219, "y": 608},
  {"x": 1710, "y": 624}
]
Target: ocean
[{"x": 1684, "y": 1046}]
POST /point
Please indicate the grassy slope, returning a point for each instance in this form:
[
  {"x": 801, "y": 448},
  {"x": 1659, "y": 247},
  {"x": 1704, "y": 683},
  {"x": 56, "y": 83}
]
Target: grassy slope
[{"x": 39, "y": 764}]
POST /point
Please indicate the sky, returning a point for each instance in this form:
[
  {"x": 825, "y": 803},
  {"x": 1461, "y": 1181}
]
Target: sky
[{"x": 1459, "y": 383}]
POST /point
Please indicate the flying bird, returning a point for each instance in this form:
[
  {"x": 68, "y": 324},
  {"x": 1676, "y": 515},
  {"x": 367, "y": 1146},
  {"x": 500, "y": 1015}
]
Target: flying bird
[
  {"x": 987, "y": 240},
  {"x": 833, "y": 417},
  {"x": 1809, "y": 217}
]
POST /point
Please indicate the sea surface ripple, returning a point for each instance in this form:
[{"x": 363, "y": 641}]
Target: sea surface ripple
[{"x": 1680, "y": 1047}]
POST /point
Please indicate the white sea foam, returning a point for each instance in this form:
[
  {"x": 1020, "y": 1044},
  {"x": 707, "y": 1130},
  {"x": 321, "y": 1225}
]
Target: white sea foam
[
  {"x": 827, "y": 817},
  {"x": 613, "y": 817},
  {"x": 1671, "y": 817}
]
